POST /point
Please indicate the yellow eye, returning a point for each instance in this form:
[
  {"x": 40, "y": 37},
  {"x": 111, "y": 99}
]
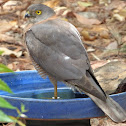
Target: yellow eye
[{"x": 38, "y": 12}]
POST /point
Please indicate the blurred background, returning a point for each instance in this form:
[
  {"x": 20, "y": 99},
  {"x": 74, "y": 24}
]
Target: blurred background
[{"x": 101, "y": 24}]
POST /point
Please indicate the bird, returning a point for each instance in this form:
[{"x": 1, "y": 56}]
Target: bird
[{"x": 57, "y": 51}]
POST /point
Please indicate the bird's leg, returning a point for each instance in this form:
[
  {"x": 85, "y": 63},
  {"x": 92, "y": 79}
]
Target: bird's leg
[
  {"x": 55, "y": 90},
  {"x": 55, "y": 86}
]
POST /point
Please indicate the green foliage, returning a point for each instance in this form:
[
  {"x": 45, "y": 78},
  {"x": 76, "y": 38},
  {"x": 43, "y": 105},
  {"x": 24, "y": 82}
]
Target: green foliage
[
  {"x": 4, "y": 87},
  {"x": 20, "y": 112},
  {"x": 3, "y": 102},
  {"x": 4, "y": 117},
  {"x": 3, "y": 68},
  {"x": 23, "y": 110},
  {"x": 1, "y": 52},
  {"x": 6, "y": 104}
]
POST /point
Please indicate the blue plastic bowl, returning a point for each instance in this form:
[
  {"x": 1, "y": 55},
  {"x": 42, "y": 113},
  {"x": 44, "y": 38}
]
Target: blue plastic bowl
[{"x": 35, "y": 93}]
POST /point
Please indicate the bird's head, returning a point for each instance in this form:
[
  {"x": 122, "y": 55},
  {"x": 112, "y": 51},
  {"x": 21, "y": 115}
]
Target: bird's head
[{"x": 39, "y": 12}]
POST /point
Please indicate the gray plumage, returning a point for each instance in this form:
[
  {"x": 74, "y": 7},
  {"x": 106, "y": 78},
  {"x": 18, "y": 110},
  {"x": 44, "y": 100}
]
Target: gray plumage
[{"x": 57, "y": 51}]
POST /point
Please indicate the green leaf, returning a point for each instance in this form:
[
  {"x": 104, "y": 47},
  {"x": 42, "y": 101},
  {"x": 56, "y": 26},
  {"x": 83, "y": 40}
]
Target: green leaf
[
  {"x": 5, "y": 104},
  {"x": 23, "y": 108},
  {"x": 17, "y": 121},
  {"x": 4, "y": 87},
  {"x": 4, "y": 117},
  {"x": 1, "y": 52},
  {"x": 20, "y": 123},
  {"x": 3, "y": 68},
  {"x": 85, "y": 4}
]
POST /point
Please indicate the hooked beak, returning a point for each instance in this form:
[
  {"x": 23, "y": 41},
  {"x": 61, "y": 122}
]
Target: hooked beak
[{"x": 27, "y": 15}]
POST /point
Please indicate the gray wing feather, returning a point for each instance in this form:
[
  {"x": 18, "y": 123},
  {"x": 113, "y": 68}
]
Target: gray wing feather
[
  {"x": 50, "y": 60},
  {"x": 56, "y": 47}
]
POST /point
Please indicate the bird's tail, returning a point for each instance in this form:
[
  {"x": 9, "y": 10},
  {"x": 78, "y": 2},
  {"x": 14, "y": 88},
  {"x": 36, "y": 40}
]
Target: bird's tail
[
  {"x": 91, "y": 87},
  {"x": 110, "y": 108}
]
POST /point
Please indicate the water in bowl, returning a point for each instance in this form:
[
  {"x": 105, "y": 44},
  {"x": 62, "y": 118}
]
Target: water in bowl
[{"x": 63, "y": 93}]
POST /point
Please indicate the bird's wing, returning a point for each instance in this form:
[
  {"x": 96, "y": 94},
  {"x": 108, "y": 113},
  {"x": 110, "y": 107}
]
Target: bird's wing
[{"x": 56, "y": 47}]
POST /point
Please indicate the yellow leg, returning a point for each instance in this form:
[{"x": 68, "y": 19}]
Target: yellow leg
[
  {"x": 54, "y": 82},
  {"x": 55, "y": 90}
]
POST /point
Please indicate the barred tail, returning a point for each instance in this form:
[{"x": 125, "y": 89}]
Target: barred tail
[{"x": 110, "y": 108}]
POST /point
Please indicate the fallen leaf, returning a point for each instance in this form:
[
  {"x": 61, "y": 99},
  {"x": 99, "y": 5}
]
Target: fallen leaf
[
  {"x": 87, "y": 35},
  {"x": 112, "y": 46},
  {"x": 90, "y": 49},
  {"x": 11, "y": 3},
  {"x": 97, "y": 64},
  {"x": 88, "y": 14},
  {"x": 86, "y": 21},
  {"x": 99, "y": 28},
  {"x": 6, "y": 25},
  {"x": 85, "y": 4},
  {"x": 6, "y": 38},
  {"x": 104, "y": 34},
  {"x": 122, "y": 12},
  {"x": 67, "y": 12},
  {"x": 116, "y": 4},
  {"x": 119, "y": 17},
  {"x": 52, "y": 3},
  {"x": 60, "y": 10},
  {"x": 104, "y": 2},
  {"x": 10, "y": 52}
]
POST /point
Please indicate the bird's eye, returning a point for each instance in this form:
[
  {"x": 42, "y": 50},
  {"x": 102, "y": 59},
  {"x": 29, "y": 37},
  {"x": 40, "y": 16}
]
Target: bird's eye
[{"x": 38, "y": 12}]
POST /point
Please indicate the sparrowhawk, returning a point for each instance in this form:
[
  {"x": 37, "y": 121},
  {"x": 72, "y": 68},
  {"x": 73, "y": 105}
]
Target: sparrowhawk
[{"x": 57, "y": 51}]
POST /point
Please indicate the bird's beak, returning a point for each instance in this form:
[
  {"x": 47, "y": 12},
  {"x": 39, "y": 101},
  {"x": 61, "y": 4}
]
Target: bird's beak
[{"x": 27, "y": 15}]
